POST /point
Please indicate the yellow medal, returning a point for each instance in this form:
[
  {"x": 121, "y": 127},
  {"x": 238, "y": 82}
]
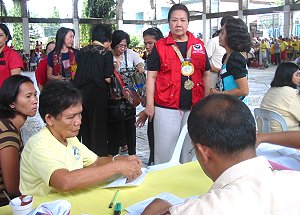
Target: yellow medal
[{"x": 187, "y": 68}]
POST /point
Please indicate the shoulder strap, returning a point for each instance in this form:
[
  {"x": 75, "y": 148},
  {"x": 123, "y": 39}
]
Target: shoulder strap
[{"x": 125, "y": 55}]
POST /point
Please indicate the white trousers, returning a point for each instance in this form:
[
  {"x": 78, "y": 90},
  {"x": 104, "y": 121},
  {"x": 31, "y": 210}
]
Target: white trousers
[{"x": 167, "y": 126}]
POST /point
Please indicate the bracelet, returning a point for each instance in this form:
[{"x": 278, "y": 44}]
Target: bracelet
[{"x": 114, "y": 157}]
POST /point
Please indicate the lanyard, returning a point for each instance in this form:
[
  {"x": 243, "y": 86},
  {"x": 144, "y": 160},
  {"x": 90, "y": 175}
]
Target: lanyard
[
  {"x": 188, "y": 55},
  {"x": 187, "y": 68}
]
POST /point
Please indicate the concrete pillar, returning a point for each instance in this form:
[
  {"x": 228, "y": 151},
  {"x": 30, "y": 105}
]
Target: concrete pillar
[
  {"x": 119, "y": 14},
  {"x": 76, "y": 24},
  {"x": 77, "y": 33},
  {"x": 120, "y": 24},
  {"x": 206, "y": 25},
  {"x": 25, "y": 27},
  {"x": 243, "y": 5},
  {"x": 287, "y": 21},
  {"x": 205, "y": 32},
  {"x": 240, "y": 14}
]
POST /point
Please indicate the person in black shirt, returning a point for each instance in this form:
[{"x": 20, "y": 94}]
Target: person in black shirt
[{"x": 95, "y": 68}]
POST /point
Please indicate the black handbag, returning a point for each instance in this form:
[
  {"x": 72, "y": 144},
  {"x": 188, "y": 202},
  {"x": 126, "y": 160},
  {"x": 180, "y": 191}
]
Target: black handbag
[{"x": 119, "y": 110}]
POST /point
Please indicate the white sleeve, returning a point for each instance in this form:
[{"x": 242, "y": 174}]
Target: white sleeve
[
  {"x": 210, "y": 47},
  {"x": 136, "y": 59}
]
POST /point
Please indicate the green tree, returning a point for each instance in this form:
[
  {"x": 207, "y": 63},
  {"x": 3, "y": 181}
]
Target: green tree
[
  {"x": 95, "y": 9},
  {"x": 55, "y": 13},
  {"x": 134, "y": 42},
  {"x": 17, "y": 41},
  {"x": 278, "y": 2}
]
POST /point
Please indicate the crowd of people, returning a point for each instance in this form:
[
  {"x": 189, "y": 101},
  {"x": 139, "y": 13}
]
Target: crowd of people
[
  {"x": 273, "y": 51},
  {"x": 88, "y": 104}
]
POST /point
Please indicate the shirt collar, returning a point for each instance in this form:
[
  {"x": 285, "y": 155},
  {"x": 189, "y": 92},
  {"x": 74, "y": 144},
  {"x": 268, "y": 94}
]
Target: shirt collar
[
  {"x": 240, "y": 170},
  {"x": 171, "y": 41},
  {"x": 5, "y": 48}
]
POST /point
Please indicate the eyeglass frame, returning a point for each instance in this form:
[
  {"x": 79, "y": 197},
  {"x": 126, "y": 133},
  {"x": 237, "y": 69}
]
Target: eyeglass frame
[{"x": 122, "y": 46}]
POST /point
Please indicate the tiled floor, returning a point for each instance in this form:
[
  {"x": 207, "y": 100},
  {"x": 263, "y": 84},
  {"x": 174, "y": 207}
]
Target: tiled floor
[{"x": 259, "y": 82}]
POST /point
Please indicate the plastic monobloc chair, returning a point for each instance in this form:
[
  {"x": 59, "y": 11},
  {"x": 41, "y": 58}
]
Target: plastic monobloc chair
[
  {"x": 176, "y": 154},
  {"x": 267, "y": 116}
]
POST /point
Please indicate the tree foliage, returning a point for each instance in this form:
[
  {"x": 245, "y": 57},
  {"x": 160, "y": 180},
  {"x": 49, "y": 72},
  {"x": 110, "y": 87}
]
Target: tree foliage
[
  {"x": 278, "y": 2},
  {"x": 17, "y": 41},
  {"x": 55, "y": 13},
  {"x": 135, "y": 42},
  {"x": 95, "y": 9}
]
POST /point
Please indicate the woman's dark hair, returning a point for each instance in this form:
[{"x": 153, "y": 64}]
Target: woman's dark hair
[
  {"x": 223, "y": 20},
  {"x": 102, "y": 33},
  {"x": 51, "y": 42},
  {"x": 118, "y": 36},
  {"x": 237, "y": 36},
  {"x": 57, "y": 96},
  {"x": 155, "y": 32},
  {"x": 5, "y": 29},
  {"x": 284, "y": 74},
  {"x": 60, "y": 38},
  {"x": 216, "y": 34},
  {"x": 178, "y": 7},
  {"x": 8, "y": 94}
]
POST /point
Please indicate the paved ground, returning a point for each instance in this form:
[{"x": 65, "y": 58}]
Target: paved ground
[{"x": 259, "y": 83}]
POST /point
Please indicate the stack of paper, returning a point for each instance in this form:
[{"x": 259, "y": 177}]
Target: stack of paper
[
  {"x": 138, "y": 208},
  {"x": 122, "y": 181}
]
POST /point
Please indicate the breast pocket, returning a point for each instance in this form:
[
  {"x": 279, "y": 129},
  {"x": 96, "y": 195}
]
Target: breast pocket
[{"x": 199, "y": 61}]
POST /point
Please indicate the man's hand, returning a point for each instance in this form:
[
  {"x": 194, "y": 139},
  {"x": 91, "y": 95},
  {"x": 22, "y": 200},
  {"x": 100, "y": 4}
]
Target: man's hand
[{"x": 157, "y": 207}]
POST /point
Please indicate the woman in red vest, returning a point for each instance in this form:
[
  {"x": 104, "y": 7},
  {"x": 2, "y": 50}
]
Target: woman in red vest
[{"x": 178, "y": 77}]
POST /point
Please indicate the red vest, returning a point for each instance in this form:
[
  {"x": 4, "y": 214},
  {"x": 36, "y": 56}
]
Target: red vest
[{"x": 168, "y": 80}]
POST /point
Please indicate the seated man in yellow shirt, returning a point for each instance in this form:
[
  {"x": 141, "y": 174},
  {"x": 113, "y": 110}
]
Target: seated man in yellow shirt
[
  {"x": 223, "y": 133},
  {"x": 54, "y": 159}
]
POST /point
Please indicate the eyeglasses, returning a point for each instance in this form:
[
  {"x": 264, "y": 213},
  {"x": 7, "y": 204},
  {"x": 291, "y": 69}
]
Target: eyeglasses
[
  {"x": 122, "y": 46},
  {"x": 191, "y": 151}
]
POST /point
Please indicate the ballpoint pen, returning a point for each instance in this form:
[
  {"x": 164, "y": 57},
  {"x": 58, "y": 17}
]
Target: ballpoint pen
[{"x": 114, "y": 199}]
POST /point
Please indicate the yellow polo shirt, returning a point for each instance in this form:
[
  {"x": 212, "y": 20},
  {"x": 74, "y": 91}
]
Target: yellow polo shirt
[
  {"x": 296, "y": 45},
  {"x": 43, "y": 154},
  {"x": 263, "y": 47},
  {"x": 283, "y": 45}
]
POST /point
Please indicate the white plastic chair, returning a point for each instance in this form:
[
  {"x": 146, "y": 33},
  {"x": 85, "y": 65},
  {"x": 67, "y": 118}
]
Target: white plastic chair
[
  {"x": 176, "y": 154},
  {"x": 267, "y": 116}
]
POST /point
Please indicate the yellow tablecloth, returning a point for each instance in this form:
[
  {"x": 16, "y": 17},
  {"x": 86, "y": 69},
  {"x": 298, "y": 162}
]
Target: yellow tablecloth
[{"x": 183, "y": 181}]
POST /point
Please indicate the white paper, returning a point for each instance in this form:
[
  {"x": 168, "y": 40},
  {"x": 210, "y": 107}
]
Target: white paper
[
  {"x": 284, "y": 156},
  {"x": 121, "y": 182},
  {"x": 139, "y": 207}
]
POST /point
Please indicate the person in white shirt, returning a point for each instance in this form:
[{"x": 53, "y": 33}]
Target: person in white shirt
[
  {"x": 215, "y": 53},
  {"x": 223, "y": 133}
]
